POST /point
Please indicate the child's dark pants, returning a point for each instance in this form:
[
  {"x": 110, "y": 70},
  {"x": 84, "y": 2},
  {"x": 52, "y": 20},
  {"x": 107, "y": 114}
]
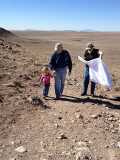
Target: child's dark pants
[{"x": 45, "y": 89}]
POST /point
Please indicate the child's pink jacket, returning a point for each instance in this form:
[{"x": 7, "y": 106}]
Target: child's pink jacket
[{"x": 46, "y": 78}]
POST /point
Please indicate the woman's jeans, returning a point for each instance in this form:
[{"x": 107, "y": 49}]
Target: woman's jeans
[
  {"x": 45, "y": 89},
  {"x": 86, "y": 82},
  {"x": 60, "y": 81}
]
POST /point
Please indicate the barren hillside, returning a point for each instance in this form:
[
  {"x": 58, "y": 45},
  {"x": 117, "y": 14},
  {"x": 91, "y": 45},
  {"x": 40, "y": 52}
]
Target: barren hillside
[{"x": 72, "y": 128}]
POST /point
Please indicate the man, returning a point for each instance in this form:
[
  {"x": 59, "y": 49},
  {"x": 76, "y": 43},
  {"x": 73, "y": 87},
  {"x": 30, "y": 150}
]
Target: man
[{"x": 59, "y": 61}]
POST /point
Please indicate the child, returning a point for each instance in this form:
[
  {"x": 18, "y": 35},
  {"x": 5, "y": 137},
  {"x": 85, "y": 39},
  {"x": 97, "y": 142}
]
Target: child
[{"x": 45, "y": 78}]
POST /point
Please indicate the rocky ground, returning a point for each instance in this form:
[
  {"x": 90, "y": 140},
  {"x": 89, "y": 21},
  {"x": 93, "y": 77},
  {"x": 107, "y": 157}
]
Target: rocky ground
[{"x": 72, "y": 128}]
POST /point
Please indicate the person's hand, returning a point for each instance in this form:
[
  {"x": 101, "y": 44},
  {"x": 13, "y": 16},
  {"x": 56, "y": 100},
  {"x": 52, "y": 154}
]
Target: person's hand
[
  {"x": 101, "y": 53},
  {"x": 40, "y": 83},
  {"x": 54, "y": 73},
  {"x": 69, "y": 73}
]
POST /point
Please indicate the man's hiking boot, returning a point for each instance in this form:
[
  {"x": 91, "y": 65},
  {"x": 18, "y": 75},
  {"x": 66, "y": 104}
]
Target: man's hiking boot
[{"x": 83, "y": 94}]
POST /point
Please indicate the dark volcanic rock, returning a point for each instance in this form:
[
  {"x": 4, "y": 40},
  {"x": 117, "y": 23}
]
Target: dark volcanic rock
[{"x": 5, "y": 33}]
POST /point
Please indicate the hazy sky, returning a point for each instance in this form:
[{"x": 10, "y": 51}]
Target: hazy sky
[{"x": 101, "y": 15}]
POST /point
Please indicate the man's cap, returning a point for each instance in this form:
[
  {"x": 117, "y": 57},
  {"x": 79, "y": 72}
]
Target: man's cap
[
  {"x": 89, "y": 46},
  {"x": 58, "y": 46}
]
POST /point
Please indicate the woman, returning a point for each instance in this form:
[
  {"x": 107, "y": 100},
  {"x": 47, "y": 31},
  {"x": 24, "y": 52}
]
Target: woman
[{"x": 90, "y": 53}]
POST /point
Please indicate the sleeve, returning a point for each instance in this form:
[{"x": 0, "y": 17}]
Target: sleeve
[
  {"x": 85, "y": 53},
  {"x": 41, "y": 79},
  {"x": 97, "y": 53},
  {"x": 52, "y": 62},
  {"x": 69, "y": 63}
]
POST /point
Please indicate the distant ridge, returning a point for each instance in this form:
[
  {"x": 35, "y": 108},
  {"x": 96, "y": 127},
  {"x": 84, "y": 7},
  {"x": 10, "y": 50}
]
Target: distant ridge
[
  {"x": 5, "y": 33},
  {"x": 31, "y": 30},
  {"x": 89, "y": 30},
  {"x": 86, "y": 30}
]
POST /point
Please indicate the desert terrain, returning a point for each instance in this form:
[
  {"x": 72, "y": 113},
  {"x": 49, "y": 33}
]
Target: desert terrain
[{"x": 72, "y": 128}]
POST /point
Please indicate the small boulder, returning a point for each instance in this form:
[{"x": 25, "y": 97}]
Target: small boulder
[
  {"x": 35, "y": 100},
  {"x": 118, "y": 144},
  {"x": 21, "y": 149}
]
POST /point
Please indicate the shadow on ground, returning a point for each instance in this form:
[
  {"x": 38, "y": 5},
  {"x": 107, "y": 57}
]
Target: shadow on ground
[{"x": 96, "y": 100}]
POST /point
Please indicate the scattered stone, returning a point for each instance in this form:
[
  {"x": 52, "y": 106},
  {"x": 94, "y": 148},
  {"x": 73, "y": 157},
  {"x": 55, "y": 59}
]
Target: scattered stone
[
  {"x": 84, "y": 152},
  {"x": 112, "y": 144},
  {"x": 15, "y": 84},
  {"x": 21, "y": 149},
  {"x": 104, "y": 105},
  {"x": 26, "y": 77},
  {"x": 59, "y": 118},
  {"x": 51, "y": 144},
  {"x": 1, "y": 98},
  {"x": 56, "y": 125},
  {"x": 106, "y": 128},
  {"x": 90, "y": 142},
  {"x": 65, "y": 153},
  {"x": 99, "y": 115},
  {"x": 77, "y": 84},
  {"x": 113, "y": 131},
  {"x": 18, "y": 45},
  {"x": 18, "y": 142},
  {"x": 82, "y": 144},
  {"x": 12, "y": 142},
  {"x": 118, "y": 144},
  {"x": 75, "y": 140},
  {"x": 111, "y": 126},
  {"x": 94, "y": 116},
  {"x": 106, "y": 89},
  {"x": 35, "y": 100},
  {"x": 83, "y": 155},
  {"x": 110, "y": 115},
  {"x": 111, "y": 119},
  {"x": 29, "y": 127},
  {"x": 43, "y": 145},
  {"x": 74, "y": 79},
  {"x": 78, "y": 115},
  {"x": 34, "y": 84},
  {"x": 119, "y": 127},
  {"x": 19, "y": 97},
  {"x": 88, "y": 121},
  {"x": 62, "y": 136},
  {"x": 106, "y": 146}
]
